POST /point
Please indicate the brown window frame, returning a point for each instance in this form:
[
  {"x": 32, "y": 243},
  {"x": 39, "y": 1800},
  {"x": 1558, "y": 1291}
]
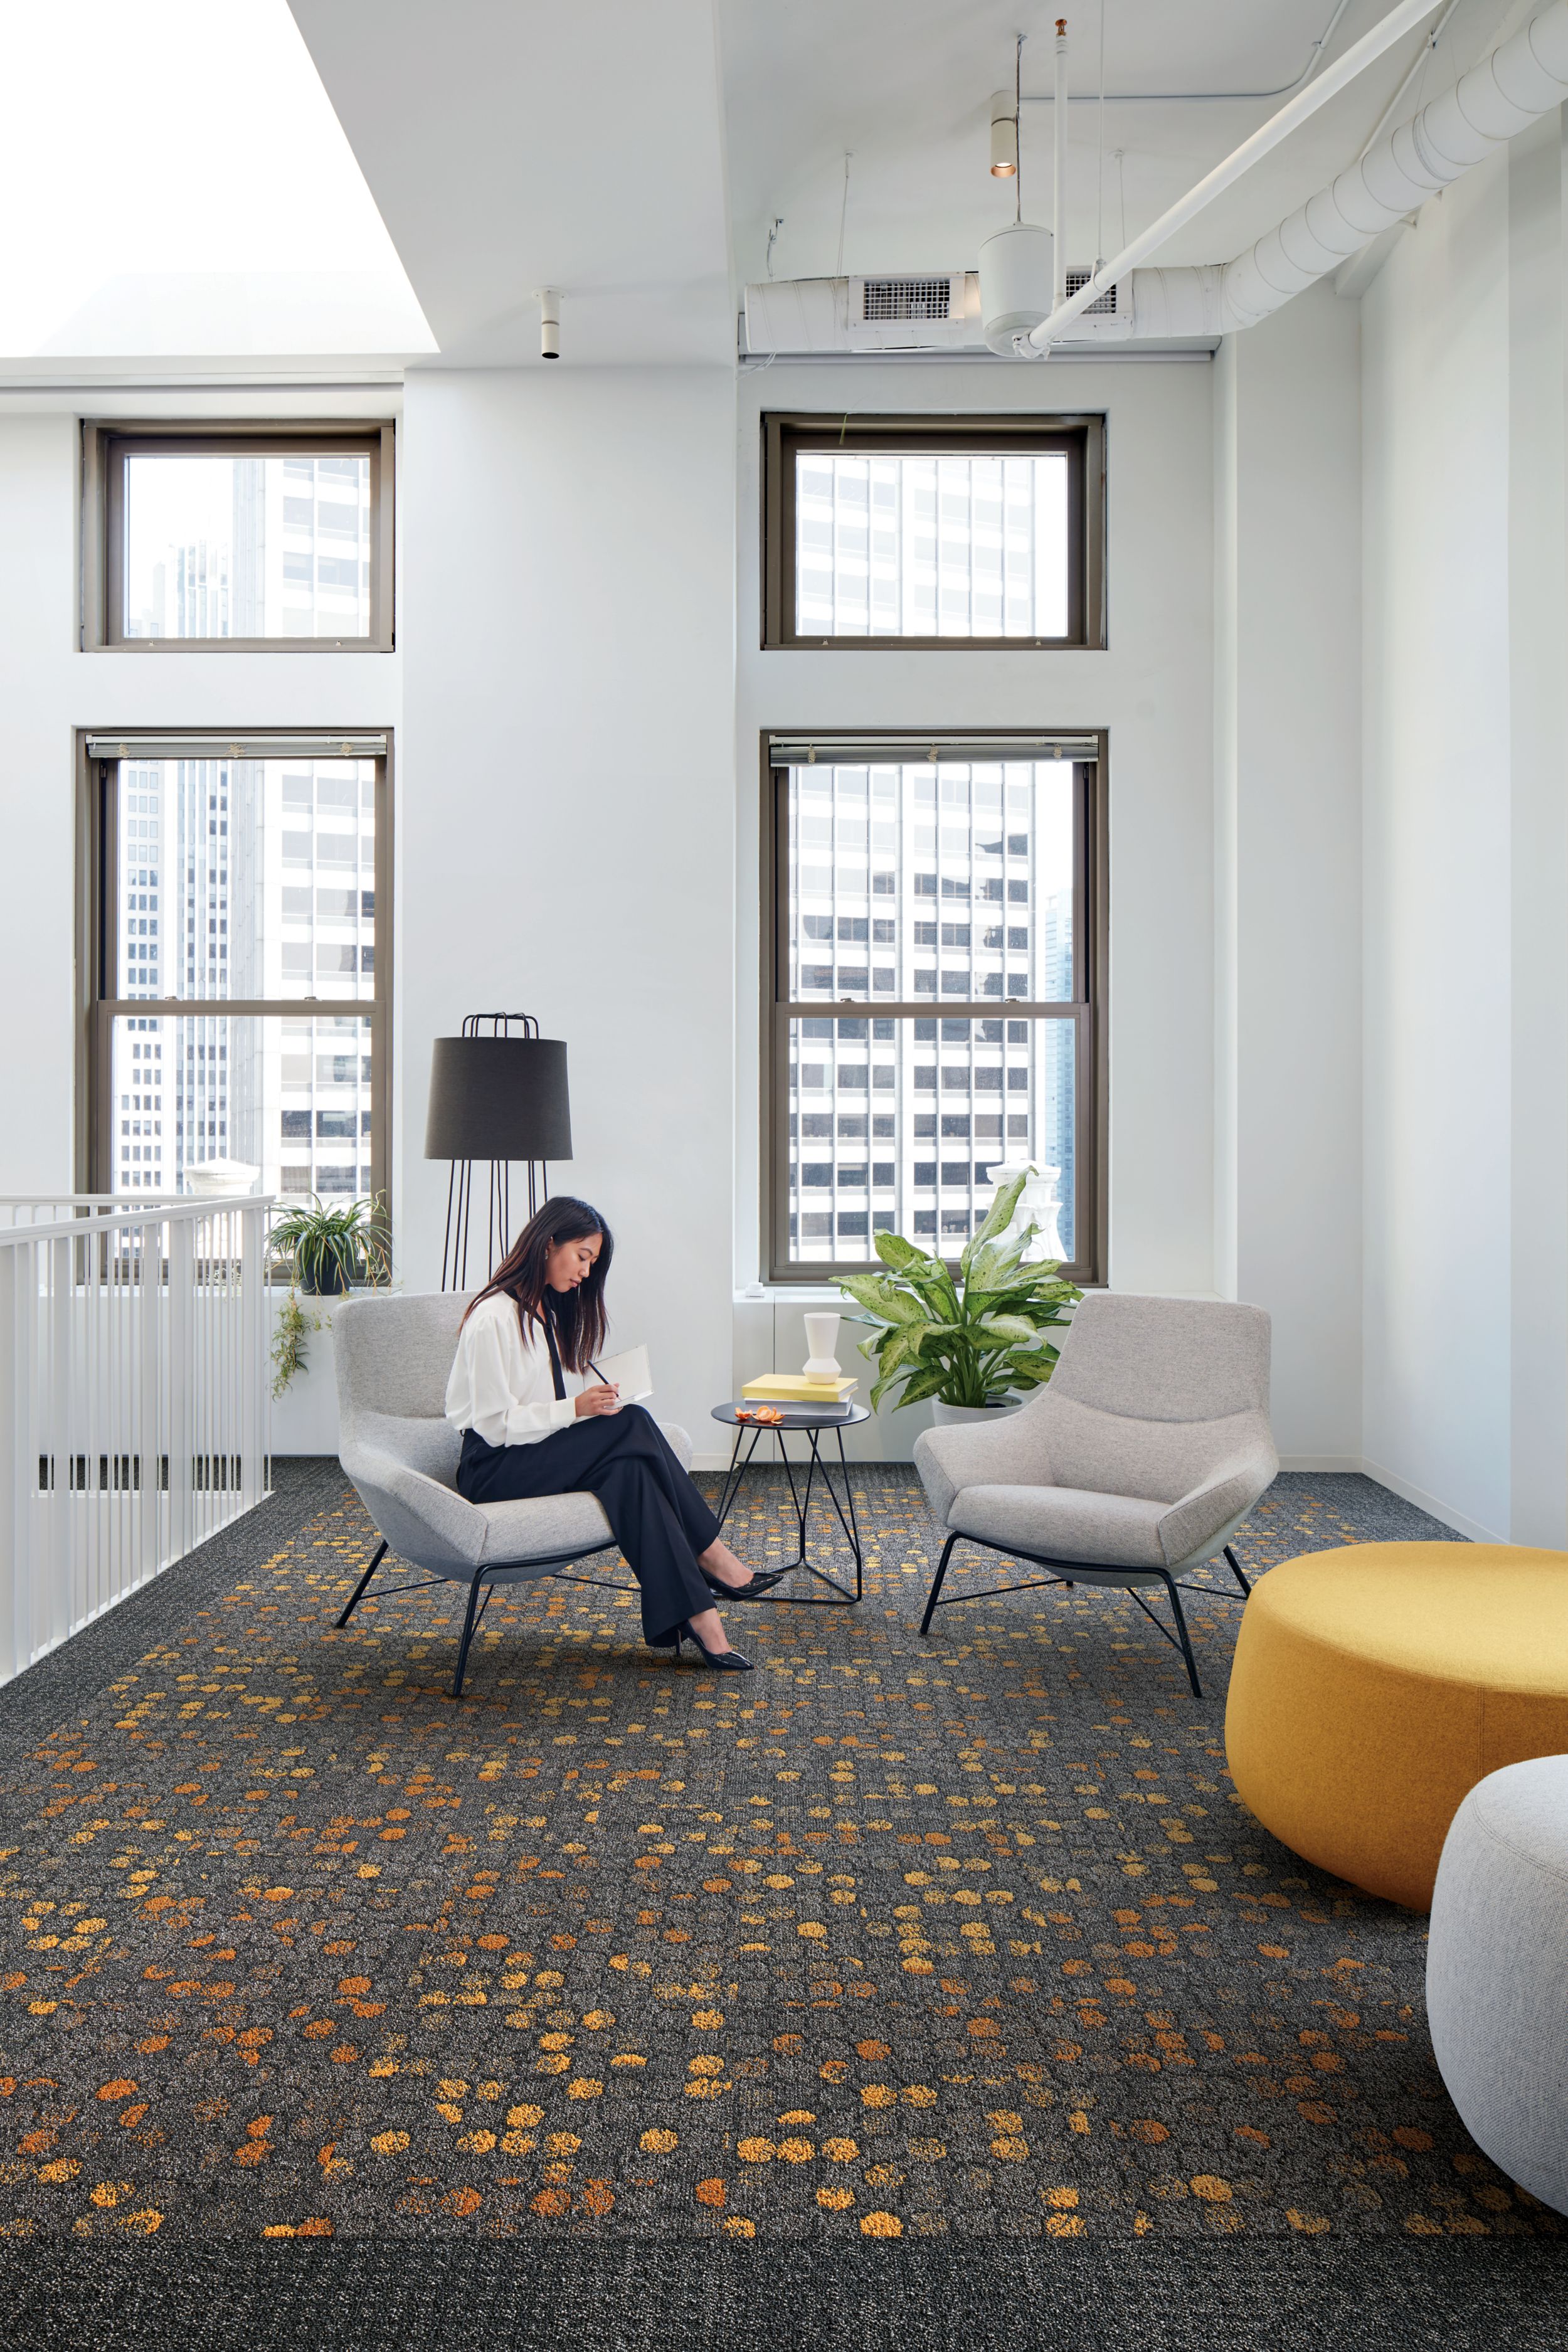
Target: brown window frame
[
  {"x": 1088, "y": 1005},
  {"x": 98, "y": 898},
  {"x": 107, "y": 445},
  {"x": 786, "y": 436}
]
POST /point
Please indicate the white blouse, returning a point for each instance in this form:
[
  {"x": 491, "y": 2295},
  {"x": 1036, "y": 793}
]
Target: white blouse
[{"x": 501, "y": 1384}]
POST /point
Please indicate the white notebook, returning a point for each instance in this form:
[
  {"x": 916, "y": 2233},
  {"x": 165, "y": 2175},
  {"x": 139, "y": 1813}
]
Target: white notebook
[{"x": 630, "y": 1373}]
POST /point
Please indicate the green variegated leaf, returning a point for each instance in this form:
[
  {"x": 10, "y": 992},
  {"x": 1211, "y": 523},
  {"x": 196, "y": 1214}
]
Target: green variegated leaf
[
  {"x": 1009, "y": 1326},
  {"x": 922, "y": 1385},
  {"x": 905, "y": 1307},
  {"x": 1002, "y": 1209},
  {"x": 871, "y": 1291},
  {"x": 894, "y": 1251},
  {"x": 903, "y": 1347}
]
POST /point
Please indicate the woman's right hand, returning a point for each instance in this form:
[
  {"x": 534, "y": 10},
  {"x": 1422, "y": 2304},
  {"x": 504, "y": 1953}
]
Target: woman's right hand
[{"x": 602, "y": 1399}]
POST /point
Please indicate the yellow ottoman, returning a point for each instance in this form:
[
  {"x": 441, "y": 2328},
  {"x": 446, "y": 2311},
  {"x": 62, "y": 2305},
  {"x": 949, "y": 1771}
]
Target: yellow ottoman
[{"x": 1372, "y": 1688}]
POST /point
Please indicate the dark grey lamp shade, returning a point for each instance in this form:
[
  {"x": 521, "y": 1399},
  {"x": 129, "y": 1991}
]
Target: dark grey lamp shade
[{"x": 497, "y": 1098}]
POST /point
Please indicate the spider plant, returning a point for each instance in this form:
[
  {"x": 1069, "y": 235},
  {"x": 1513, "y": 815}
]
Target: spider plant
[
  {"x": 976, "y": 1339},
  {"x": 326, "y": 1251}
]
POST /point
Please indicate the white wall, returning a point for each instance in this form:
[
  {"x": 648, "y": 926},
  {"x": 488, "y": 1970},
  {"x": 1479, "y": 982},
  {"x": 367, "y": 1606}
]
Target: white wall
[
  {"x": 49, "y": 689},
  {"x": 566, "y": 807},
  {"x": 1287, "y": 852},
  {"x": 1151, "y": 687},
  {"x": 1466, "y": 870},
  {"x": 577, "y": 702}
]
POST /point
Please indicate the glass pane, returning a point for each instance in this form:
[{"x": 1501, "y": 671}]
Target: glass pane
[
  {"x": 246, "y": 877},
  {"x": 931, "y": 547},
  {"x": 939, "y": 878},
  {"x": 246, "y": 547},
  {"x": 901, "y": 1126},
  {"x": 289, "y": 1098}
]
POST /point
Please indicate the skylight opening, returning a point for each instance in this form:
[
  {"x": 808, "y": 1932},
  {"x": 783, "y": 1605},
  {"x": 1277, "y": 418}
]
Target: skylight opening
[{"x": 183, "y": 187}]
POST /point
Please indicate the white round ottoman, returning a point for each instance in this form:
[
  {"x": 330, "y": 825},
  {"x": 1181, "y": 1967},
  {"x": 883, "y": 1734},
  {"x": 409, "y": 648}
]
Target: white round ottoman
[{"x": 1496, "y": 1971}]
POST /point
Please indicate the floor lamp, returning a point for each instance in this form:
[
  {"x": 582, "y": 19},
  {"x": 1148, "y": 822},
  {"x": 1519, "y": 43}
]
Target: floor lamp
[{"x": 497, "y": 1093}]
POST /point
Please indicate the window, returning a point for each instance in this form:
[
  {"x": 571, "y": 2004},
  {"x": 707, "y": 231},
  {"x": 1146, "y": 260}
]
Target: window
[
  {"x": 268, "y": 540},
  {"x": 933, "y": 533},
  {"x": 890, "y": 1103},
  {"x": 238, "y": 980}
]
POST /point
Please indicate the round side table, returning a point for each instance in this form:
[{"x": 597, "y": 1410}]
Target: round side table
[{"x": 812, "y": 1423}]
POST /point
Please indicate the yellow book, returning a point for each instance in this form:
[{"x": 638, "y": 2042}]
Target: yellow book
[{"x": 795, "y": 1388}]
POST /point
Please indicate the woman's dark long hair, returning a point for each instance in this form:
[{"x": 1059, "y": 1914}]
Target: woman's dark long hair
[{"x": 576, "y": 1315}]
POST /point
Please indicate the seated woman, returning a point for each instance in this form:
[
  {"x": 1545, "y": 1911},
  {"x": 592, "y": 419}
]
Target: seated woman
[{"x": 534, "y": 1423}]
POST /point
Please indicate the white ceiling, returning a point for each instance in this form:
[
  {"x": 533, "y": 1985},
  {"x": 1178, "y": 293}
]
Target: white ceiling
[
  {"x": 905, "y": 85},
  {"x": 173, "y": 181},
  {"x": 635, "y": 156},
  {"x": 187, "y": 190},
  {"x": 512, "y": 144}
]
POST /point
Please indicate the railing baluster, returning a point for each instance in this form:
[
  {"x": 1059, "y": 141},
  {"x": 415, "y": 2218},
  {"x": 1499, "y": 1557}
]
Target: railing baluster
[
  {"x": 64, "y": 1610},
  {"x": 16, "y": 1474},
  {"x": 133, "y": 1398}
]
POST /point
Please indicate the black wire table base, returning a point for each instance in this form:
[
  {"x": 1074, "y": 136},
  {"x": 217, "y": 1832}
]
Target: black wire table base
[{"x": 837, "y": 1596}]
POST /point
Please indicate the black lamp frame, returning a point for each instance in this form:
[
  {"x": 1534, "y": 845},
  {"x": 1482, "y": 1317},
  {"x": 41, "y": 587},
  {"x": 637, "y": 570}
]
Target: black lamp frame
[{"x": 460, "y": 1183}]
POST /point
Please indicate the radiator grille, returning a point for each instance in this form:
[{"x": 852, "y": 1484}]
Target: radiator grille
[
  {"x": 1104, "y": 307},
  {"x": 906, "y": 297}
]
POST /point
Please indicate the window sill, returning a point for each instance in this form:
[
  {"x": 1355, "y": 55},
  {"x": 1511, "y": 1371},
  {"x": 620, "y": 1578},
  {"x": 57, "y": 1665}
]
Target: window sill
[{"x": 794, "y": 1293}]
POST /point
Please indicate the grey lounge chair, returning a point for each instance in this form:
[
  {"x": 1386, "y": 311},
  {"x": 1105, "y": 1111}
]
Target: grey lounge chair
[
  {"x": 1139, "y": 1460},
  {"x": 394, "y": 1355}
]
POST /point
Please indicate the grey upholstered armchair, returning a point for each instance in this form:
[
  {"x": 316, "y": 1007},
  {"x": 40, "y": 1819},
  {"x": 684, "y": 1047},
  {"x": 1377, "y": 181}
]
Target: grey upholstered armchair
[
  {"x": 1139, "y": 1460},
  {"x": 394, "y": 1355}
]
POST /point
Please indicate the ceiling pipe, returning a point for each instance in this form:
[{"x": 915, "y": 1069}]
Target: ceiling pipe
[
  {"x": 1205, "y": 97},
  {"x": 1296, "y": 111},
  {"x": 1417, "y": 63},
  {"x": 1525, "y": 79},
  {"x": 1059, "y": 167}
]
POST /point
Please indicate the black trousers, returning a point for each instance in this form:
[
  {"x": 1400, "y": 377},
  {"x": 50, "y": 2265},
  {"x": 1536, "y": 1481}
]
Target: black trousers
[{"x": 659, "y": 1518}]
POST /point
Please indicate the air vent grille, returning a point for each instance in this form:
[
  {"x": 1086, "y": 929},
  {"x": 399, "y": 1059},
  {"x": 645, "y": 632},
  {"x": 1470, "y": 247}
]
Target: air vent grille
[
  {"x": 1104, "y": 307},
  {"x": 920, "y": 299}
]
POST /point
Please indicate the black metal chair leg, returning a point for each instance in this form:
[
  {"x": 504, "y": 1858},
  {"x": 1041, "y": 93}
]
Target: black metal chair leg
[
  {"x": 1181, "y": 1631},
  {"x": 937, "y": 1582},
  {"x": 359, "y": 1588},
  {"x": 468, "y": 1637},
  {"x": 1235, "y": 1569}
]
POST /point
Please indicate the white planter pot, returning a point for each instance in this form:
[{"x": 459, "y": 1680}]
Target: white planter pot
[{"x": 942, "y": 1413}]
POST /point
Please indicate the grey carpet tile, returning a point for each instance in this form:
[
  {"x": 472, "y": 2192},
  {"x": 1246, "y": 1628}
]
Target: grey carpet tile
[{"x": 901, "y": 1981}]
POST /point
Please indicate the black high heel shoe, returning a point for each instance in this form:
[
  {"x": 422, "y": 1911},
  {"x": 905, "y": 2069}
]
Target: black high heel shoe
[
  {"x": 763, "y": 1580},
  {"x": 727, "y": 1661}
]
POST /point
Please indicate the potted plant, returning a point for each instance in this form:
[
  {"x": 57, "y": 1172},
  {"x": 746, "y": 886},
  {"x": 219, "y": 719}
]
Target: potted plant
[
  {"x": 327, "y": 1251},
  {"x": 324, "y": 1252},
  {"x": 972, "y": 1342}
]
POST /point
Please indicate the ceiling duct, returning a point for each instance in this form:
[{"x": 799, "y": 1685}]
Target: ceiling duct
[
  {"x": 1523, "y": 80},
  {"x": 924, "y": 310},
  {"x": 1520, "y": 82}
]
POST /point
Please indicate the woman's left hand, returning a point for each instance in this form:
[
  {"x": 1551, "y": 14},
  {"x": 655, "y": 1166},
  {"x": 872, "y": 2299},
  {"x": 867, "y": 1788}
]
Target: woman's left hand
[{"x": 602, "y": 1399}]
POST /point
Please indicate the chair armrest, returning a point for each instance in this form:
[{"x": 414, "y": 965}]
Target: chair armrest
[
  {"x": 423, "y": 1522},
  {"x": 1010, "y": 1452},
  {"x": 1206, "y": 1515}
]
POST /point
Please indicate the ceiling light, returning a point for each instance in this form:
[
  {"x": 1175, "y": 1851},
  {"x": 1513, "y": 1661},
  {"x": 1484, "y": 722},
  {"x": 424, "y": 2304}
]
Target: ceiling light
[
  {"x": 549, "y": 324},
  {"x": 1004, "y": 135}
]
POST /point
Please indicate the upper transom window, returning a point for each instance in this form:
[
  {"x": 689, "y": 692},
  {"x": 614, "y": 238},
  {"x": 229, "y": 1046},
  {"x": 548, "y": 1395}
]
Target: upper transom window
[
  {"x": 928, "y": 533},
  {"x": 260, "y": 540}
]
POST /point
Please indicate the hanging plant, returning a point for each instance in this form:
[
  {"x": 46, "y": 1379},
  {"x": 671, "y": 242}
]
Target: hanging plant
[
  {"x": 325, "y": 1252},
  {"x": 289, "y": 1341}
]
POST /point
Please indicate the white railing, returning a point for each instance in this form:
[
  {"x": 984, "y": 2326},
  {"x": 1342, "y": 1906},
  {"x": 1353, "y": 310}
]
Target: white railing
[
  {"x": 134, "y": 1398},
  {"x": 49, "y": 1208}
]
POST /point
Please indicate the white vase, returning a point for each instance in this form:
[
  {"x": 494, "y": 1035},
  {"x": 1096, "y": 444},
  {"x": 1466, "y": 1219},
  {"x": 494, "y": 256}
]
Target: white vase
[
  {"x": 942, "y": 1413},
  {"x": 821, "y": 1338}
]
